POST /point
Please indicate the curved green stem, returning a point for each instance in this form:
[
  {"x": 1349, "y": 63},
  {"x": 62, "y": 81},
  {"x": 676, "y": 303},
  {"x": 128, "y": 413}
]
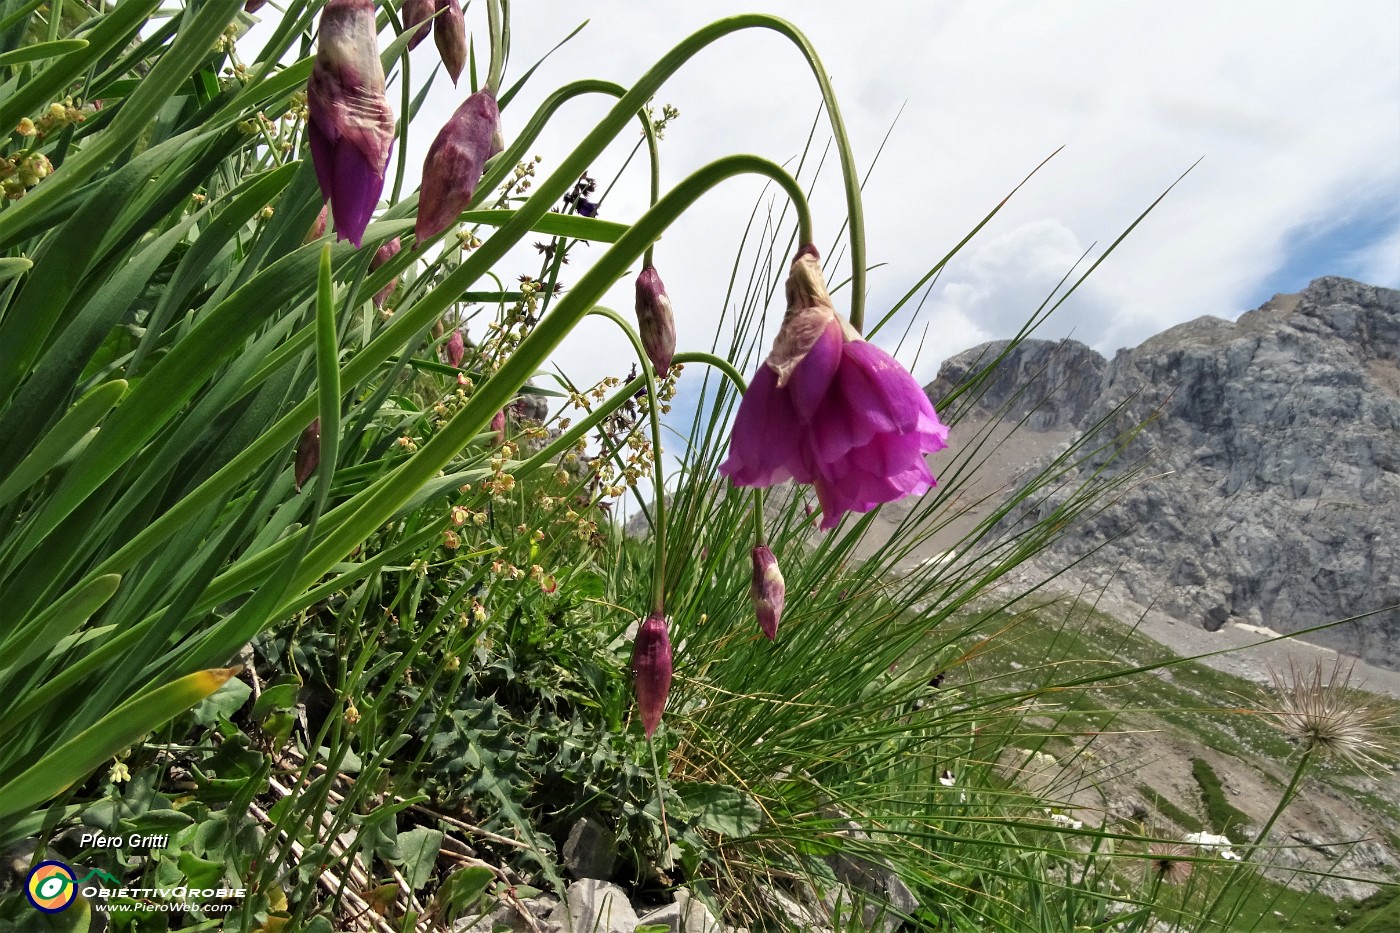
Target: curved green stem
[
  {"x": 726, "y": 367},
  {"x": 496, "y": 25},
  {"x": 410, "y": 321},
  {"x": 391, "y": 493},
  {"x": 655, "y": 177},
  {"x": 658, "y": 521}
]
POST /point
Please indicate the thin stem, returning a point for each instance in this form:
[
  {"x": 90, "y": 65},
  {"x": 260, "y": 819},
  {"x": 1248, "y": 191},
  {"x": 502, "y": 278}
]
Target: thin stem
[
  {"x": 658, "y": 522},
  {"x": 655, "y": 177},
  {"x": 661, "y": 802},
  {"x": 496, "y": 24},
  {"x": 726, "y": 367}
]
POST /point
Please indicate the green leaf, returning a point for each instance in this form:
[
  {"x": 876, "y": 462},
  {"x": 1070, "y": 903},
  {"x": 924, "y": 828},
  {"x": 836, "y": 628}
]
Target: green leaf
[
  {"x": 42, "y": 50},
  {"x": 200, "y": 872},
  {"x": 419, "y": 849},
  {"x": 463, "y": 890},
  {"x": 70, "y": 430},
  {"x": 274, "y": 698},
  {"x": 58, "y": 770},
  {"x": 222, "y": 703},
  {"x": 72, "y": 610},
  {"x": 13, "y": 266},
  {"x": 720, "y": 809}
]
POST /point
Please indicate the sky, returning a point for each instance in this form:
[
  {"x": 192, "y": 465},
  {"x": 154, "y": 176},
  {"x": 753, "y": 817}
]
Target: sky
[{"x": 1292, "y": 111}]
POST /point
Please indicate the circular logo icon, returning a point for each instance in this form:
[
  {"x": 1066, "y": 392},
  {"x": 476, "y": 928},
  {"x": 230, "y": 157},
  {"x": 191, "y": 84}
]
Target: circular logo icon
[{"x": 51, "y": 887}]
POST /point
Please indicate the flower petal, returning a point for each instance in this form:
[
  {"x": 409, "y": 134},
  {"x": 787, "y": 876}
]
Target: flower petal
[{"x": 764, "y": 446}]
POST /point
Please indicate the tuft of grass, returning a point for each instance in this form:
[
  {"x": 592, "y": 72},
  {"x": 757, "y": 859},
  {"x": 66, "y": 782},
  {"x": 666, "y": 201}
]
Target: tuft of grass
[{"x": 1224, "y": 818}]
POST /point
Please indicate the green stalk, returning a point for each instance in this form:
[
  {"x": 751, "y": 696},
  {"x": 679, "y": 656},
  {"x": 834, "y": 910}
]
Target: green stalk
[
  {"x": 658, "y": 523},
  {"x": 382, "y": 500},
  {"x": 496, "y": 25},
  {"x": 411, "y": 320}
]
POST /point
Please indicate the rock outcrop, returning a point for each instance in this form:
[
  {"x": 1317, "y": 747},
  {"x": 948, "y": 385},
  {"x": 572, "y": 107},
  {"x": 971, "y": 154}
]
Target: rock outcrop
[{"x": 1274, "y": 447}]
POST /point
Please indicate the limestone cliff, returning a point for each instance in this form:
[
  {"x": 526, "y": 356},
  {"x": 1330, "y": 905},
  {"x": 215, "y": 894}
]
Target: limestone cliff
[{"x": 1275, "y": 441}]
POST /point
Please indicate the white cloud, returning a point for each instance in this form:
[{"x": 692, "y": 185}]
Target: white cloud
[{"x": 1293, "y": 110}]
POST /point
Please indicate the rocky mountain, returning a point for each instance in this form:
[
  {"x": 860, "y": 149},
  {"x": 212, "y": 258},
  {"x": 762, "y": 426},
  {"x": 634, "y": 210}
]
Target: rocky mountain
[{"x": 1272, "y": 444}]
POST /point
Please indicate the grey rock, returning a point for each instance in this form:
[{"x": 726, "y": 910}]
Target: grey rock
[
  {"x": 684, "y": 915},
  {"x": 593, "y": 906},
  {"x": 591, "y": 850},
  {"x": 1273, "y": 447},
  {"x": 797, "y": 914},
  {"x": 882, "y": 895},
  {"x": 506, "y": 917}
]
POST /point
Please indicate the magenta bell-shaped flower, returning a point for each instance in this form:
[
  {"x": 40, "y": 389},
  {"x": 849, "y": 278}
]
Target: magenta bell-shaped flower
[
  {"x": 450, "y": 37},
  {"x": 415, "y": 17},
  {"x": 830, "y": 409},
  {"x": 655, "y": 320},
  {"x": 651, "y": 669},
  {"x": 381, "y": 256},
  {"x": 767, "y": 591},
  {"x": 351, "y": 127},
  {"x": 455, "y": 162},
  {"x": 308, "y": 454}
]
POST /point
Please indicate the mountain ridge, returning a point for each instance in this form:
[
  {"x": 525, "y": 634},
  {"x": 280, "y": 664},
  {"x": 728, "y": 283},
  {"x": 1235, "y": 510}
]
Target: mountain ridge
[{"x": 1274, "y": 447}]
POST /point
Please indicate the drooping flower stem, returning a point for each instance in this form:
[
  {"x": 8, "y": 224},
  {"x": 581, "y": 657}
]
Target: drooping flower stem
[
  {"x": 498, "y": 27},
  {"x": 409, "y": 321},
  {"x": 655, "y": 178},
  {"x": 737, "y": 378}
]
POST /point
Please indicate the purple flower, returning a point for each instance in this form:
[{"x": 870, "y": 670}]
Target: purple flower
[
  {"x": 655, "y": 321},
  {"x": 586, "y": 208},
  {"x": 252, "y": 6},
  {"x": 767, "y": 591},
  {"x": 450, "y": 37},
  {"x": 415, "y": 16},
  {"x": 382, "y": 255},
  {"x": 651, "y": 668},
  {"x": 830, "y": 409},
  {"x": 308, "y": 454},
  {"x": 454, "y": 164},
  {"x": 351, "y": 127}
]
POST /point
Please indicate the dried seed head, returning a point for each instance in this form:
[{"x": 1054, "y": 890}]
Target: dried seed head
[
  {"x": 1324, "y": 713},
  {"x": 1170, "y": 862}
]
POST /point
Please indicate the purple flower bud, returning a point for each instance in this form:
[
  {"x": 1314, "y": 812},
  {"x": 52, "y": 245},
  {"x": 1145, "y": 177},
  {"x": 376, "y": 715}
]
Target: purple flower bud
[
  {"x": 498, "y": 424},
  {"x": 351, "y": 127},
  {"x": 415, "y": 14},
  {"x": 655, "y": 320},
  {"x": 455, "y": 348},
  {"x": 450, "y": 36},
  {"x": 318, "y": 227},
  {"x": 381, "y": 256},
  {"x": 252, "y": 6},
  {"x": 767, "y": 591},
  {"x": 454, "y": 164},
  {"x": 651, "y": 668},
  {"x": 308, "y": 453}
]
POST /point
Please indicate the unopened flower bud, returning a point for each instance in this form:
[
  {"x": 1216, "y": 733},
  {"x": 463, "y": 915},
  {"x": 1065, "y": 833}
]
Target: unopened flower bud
[
  {"x": 455, "y": 162},
  {"x": 381, "y": 256},
  {"x": 498, "y": 424},
  {"x": 308, "y": 453},
  {"x": 450, "y": 37},
  {"x": 767, "y": 591},
  {"x": 415, "y": 16},
  {"x": 351, "y": 127},
  {"x": 252, "y": 6},
  {"x": 651, "y": 670},
  {"x": 655, "y": 321},
  {"x": 455, "y": 349}
]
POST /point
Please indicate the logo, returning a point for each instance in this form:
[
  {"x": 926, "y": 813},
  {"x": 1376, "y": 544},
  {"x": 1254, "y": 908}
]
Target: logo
[{"x": 51, "y": 887}]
